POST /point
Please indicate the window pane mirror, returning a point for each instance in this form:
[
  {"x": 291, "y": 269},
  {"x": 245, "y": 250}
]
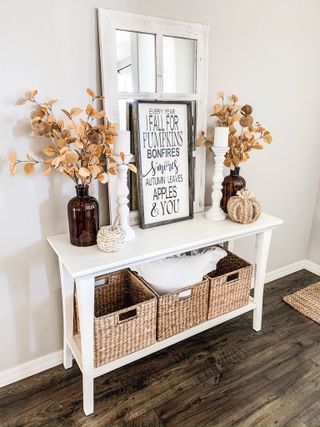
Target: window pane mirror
[
  {"x": 149, "y": 58},
  {"x": 136, "y": 64},
  {"x": 179, "y": 65}
]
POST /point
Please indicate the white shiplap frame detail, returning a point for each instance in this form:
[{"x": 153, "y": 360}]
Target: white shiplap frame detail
[{"x": 111, "y": 20}]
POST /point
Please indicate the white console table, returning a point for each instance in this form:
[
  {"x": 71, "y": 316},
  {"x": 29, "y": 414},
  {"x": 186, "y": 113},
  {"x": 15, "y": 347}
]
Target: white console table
[{"x": 82, "y": 265}]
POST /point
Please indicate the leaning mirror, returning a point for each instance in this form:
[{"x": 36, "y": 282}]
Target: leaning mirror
[{"x": 148, "y": 58}]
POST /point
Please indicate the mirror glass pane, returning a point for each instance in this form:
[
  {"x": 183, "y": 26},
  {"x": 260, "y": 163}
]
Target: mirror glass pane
[
  {"x": 179, "y": 65},
  {"x": 136, "y": 64}
]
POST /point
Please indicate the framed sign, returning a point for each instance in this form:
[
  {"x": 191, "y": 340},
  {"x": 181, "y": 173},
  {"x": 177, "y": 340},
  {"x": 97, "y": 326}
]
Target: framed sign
[{"x": 163, "y": 146}]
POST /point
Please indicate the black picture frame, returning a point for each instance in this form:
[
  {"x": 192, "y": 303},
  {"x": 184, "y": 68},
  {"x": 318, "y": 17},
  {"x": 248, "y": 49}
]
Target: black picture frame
[{"x": 136, "y": 126}]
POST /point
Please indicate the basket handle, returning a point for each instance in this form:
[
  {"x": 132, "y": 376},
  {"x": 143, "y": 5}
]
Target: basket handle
[
  {"x": 232, "y": 277},
  {"x": 185, "y": 294},
  {"x": 102, "y": 281},
  {"x": 127, "y": 314}
]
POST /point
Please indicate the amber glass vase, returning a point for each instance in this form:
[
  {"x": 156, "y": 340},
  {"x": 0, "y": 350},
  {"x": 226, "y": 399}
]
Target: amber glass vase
[
  {"x": 83, "y": 216},
  {"x": 231, "y": 184}
]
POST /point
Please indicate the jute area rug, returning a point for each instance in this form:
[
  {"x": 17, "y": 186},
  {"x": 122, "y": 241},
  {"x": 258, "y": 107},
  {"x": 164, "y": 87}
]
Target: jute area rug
[{"x": 306, "y": 301}]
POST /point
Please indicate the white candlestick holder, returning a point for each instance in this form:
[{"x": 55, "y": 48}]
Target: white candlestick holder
[
  {"x": 122, "y": 196},
  {"x": 215, "y": 213}
]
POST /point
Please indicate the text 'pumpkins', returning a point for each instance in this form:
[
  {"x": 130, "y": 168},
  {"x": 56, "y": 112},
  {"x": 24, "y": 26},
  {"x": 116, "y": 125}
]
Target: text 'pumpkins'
[{"x": 243, "y": 207}]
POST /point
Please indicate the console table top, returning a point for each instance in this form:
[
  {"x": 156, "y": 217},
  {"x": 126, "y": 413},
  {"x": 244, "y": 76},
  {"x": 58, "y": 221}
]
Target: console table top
[{"x": 155, "y": 243}]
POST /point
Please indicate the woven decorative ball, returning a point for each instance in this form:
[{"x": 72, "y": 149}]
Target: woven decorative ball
[
  {"x": 243, "y": 207},
  {"x": 111, "y": 238}
]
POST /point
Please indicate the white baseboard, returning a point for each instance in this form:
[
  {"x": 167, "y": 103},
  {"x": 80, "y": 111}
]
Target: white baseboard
[
  {"x": 284, "y": 271},
  {"x": 30, "y": 368},
  {"x": 312, "y": 267},
  {"x": 49, "y": 361}
]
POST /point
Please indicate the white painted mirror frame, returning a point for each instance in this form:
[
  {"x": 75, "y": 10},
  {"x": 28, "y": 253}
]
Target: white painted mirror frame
[{"x": 111, "y": 20}]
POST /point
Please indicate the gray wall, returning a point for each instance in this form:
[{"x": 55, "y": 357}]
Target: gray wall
[{"x": 264, "y": 51}]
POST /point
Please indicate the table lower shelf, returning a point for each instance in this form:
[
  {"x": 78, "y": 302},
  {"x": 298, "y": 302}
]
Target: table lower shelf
[{"x": 75, "y": 344}]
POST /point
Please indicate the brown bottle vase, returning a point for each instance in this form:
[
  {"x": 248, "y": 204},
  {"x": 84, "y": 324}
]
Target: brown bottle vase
[
  {"x": 83, "y": 216},
  {"x": 231, "y": 184}
]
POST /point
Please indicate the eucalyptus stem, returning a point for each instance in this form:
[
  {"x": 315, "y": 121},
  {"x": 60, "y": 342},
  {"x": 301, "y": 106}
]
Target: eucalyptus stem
[{"x": 83, "y": 150}]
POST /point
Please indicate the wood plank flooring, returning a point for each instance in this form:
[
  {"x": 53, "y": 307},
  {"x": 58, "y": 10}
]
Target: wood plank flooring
[{"x": 227, "y": 376}]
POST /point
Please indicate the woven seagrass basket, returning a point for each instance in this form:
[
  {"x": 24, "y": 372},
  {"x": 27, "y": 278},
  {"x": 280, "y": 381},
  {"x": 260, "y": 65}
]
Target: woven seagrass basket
[
  {"x": 230, "y": 285},
  {"x": 182, "y": 309},
  {"x": 125, "y": 316}
]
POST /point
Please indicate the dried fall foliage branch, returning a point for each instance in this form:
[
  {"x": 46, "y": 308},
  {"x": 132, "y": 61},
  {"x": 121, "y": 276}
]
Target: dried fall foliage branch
[
  {"x": 79, "y": 149},
  {"x": 244, "y": 135}
]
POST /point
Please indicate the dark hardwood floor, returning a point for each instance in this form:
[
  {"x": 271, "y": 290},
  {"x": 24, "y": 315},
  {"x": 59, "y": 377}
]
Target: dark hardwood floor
[{"x": 227, "y": 376}]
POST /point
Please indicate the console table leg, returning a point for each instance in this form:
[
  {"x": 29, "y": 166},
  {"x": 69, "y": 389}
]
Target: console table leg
[
  {"x": 229, "y": 245},
  {"x": 85, "y": 295},
  {"x": 88, "y": 394},
  {"x": 67, "y": 306},
  {"x": 262, "y": 250}
]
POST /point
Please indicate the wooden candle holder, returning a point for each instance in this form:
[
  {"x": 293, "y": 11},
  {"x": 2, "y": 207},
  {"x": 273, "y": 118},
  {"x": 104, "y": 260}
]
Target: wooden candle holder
[{"x": 215, "y": 213}]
